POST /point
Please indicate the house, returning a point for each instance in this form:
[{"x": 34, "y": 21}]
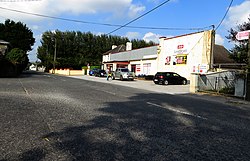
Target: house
[
  {"x": 3, "y": 47},
  {"x": 135, "y": 60},
  {"x": 183, "y": 54}
]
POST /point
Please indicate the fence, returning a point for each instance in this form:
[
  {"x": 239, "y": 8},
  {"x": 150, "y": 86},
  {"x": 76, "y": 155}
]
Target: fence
[
  {"x": 227, "y": 82},
  {"x": 68, "y": 72}
]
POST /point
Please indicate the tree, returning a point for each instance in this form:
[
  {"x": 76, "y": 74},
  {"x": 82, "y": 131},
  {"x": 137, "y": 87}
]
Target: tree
[
  {"x": 239, "y": 51},
  {"x": 77, "y": 49},
  {"x": 17, "y": 34},
  {"x": 18, "y": 58}
]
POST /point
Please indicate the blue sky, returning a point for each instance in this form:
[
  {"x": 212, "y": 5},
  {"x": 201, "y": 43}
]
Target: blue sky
[{"x": 185, "y": 14}]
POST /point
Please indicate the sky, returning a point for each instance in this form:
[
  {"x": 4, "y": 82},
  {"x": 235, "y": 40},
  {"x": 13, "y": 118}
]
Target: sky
[{"x": 175, "y": 17}]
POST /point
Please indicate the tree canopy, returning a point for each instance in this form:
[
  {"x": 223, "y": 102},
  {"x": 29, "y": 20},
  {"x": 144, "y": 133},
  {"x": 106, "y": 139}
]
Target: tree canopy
[
  {"x": 240, "y": 49},
  {"x": 77, "y": 49},
  {"x": 21, "y": 41},
  {"x": 17, "y": 34}
]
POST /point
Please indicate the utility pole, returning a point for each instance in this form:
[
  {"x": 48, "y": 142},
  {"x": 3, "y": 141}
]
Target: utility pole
[
  {"x": 248, "y": 72},
  {"x": 54, "y": 62}
]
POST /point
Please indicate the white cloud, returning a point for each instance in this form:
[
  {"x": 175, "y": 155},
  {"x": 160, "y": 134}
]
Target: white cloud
[
  {"x": 75, "y": 7},
  {"x": 134, "y": 10},
  {"x": 219, "y": 39},
  {"x": 35, "y": 27},
  {"x": 154, "y": 1},
  {"x": 132, "y": 35},
  {"x": 238, "y": 14},
  {"x": 151, "y": 37}
]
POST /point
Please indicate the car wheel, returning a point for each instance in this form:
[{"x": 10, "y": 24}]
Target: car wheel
[
  {"x": 165, "y": 82},
  {"x": 121, "y": 78},
  {"x": 184, "y": 82}
]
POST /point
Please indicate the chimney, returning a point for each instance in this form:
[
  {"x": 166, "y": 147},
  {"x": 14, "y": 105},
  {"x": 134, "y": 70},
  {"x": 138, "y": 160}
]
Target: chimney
[
  {"x": 114, "y": 46},
  {"x": 128, "y": 46}
]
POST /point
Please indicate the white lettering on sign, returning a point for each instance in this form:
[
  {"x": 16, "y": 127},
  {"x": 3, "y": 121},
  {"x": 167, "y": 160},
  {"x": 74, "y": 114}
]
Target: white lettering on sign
[{"x": 243, "y": 35}]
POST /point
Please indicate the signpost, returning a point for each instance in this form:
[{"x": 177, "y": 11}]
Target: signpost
[{"x": 244, "y": 35}]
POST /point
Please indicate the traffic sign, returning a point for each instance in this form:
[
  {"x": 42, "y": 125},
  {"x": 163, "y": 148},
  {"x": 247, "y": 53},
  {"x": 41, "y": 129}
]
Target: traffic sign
[{"x": 243, "y": 35}]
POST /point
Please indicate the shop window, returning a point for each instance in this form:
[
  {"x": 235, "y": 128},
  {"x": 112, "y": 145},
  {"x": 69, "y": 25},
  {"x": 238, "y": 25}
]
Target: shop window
[{"x": 181, "y": 59}]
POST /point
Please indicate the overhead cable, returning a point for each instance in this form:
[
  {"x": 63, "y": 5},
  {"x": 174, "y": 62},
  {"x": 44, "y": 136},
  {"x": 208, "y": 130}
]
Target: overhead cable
[
  {"x": 224, "y": 15},
  {"x": 18, "y": 0},
  {"x": 139, "y": 17},
  {"x": 103, "y": 24}
]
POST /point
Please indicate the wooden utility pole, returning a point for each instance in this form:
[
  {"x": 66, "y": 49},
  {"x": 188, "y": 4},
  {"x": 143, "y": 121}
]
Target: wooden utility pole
[
  {"x": 248, "y": 72},
  {"x": 54, "y": 62}
]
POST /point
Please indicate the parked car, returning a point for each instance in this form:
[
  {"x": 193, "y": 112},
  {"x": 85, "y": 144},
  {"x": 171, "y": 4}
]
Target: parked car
[
  {"x": 92, "y": 71},
  {"x": 166, "y": 78},
  {"x": 123, "y": 73},
  {"x": 100, "y": 73}
]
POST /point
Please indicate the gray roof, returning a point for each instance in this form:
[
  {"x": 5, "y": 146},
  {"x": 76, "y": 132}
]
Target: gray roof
[
  {"x": 137, "y": 54},
  {"x": 119, "y": 48}
]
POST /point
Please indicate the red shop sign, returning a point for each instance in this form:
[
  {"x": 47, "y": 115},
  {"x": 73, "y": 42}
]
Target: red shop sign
[{"x": 180, "y": 46}]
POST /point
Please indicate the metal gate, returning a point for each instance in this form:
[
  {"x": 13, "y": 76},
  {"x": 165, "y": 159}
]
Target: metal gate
[{"x": 229, "y": 82}]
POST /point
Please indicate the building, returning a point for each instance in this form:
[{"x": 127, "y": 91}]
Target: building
[
  {"x": 187, "y": 54},
  {"x": 183, "y": 54},
  {"x": 3, "y": 47}
]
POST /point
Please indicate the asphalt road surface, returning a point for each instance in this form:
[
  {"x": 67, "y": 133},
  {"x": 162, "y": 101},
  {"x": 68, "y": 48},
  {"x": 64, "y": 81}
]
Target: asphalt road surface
[{"x": 49, "y": 117}]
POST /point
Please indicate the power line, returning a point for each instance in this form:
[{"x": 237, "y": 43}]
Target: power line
[
  {"x": 139, "y": 17},
  {"x": 53, "y": 17},
  {"x": 103, "y": 24},
  {"x": 225, "y": 14},
  {"x": 18, "y": 0},
  {"x": 169, "y": 28}
]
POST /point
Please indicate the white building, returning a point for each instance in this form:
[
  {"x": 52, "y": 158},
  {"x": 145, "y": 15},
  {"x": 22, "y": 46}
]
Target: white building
[
  {"x": 186, "y": 54},
  {"x": 183, "y": 54}
]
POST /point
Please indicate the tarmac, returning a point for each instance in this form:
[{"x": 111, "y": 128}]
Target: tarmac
[
  {"x": 141, "y": 84},
  {"x": 168, "y": 89}
]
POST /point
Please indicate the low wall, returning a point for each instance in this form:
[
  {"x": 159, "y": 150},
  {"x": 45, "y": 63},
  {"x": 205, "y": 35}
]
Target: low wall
[{"x": 67, "y": 72}]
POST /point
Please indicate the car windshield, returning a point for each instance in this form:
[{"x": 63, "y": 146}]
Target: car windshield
[{"x": 124, "y": 70}]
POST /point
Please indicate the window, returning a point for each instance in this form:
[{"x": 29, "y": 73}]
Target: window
[
  {"x": 146, "y": 68},
  {"x": 181, "y": 59},
  {"x": 124, "y": 70},
  {"x": 175, "y": 75}
]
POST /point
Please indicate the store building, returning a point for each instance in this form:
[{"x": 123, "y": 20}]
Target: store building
[
  {"x": 183, "y": 54},
  {"x": 187, "y": 54}
]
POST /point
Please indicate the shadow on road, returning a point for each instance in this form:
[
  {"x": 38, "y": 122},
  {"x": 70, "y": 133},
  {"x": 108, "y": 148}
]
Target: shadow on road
[
  {"x": 144, "y": 126},
  {"x": 169, "y": 128}
]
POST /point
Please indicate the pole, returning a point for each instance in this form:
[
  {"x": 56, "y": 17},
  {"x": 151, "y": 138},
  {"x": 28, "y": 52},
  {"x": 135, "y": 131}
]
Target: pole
[
  {"x": 248, "y": 72},
  {"x": 54, "y": 62}
]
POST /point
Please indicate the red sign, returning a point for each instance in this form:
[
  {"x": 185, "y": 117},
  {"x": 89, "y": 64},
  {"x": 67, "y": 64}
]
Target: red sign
[
  {"x": 243, "y": 35},
  {"x": 180, "y": 46}
]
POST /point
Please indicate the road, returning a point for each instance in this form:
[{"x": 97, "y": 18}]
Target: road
[{"x": 49, "y": 117}]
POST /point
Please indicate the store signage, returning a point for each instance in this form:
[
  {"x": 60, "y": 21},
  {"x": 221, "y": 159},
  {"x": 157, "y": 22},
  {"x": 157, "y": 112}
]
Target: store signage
[
  {"x": 243, "y": 35},
  {"x": 200, "y": 68},
  {"x": 180, "y": 49},
  {"x": 180, "y": 46}
]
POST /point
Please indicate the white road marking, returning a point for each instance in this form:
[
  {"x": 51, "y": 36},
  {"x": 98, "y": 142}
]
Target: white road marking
[{"x": 177, "y": 111}]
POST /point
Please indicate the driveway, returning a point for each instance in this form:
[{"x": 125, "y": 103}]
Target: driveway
[{"x": 141, "y": 84}]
